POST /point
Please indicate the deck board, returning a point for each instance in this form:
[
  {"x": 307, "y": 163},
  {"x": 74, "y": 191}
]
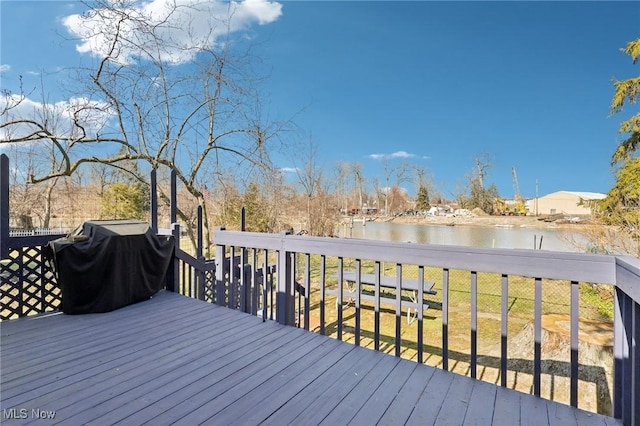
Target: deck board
[
  {"x": 175, "y": 360},
  {"x": 336, "y": 385},
  {"x": 404, "y": 401},
  {"x": 480, "y": 410},
  {"x": 164, "y": 392},
  {"x": 455, "y": 405},
  {"x": 239, "y": 385},
  {"x": 276, "y": 392},
  {"x": 94, "y": 365},
  {"x": 534, "y": 412},
  {"x": 176, "y": 399},
  {"x": 210, "y": 389},
  {"x": 62, "y": 347},
  {"x": 355, "y": 400},
  {"x": 83, "y": 348},
  {"x": 383, "y": 396},
  {"x": 430, "y": 402},
  {"x": 140, "y": 369},
  {"x": 561, "y": 415}
]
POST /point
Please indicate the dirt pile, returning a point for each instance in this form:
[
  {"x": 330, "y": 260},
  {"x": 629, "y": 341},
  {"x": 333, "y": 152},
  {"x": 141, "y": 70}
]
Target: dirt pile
[{"x": 479, "y": 212}]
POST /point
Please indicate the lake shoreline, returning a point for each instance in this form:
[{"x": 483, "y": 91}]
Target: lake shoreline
[
  {"x": 492, "y": 221},
  {"x": 489, "y": 232}
]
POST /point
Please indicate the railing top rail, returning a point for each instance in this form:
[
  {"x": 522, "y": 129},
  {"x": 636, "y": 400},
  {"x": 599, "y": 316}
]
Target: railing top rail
[
  {"x": 533, "y": 263},
  {"x": 200, "y": 265},
  {"x": 628, "y": 276},
  {"x": 249, "y": 239}
]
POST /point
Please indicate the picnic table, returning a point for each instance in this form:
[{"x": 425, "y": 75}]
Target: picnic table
[{"x": 388, "y": 286}]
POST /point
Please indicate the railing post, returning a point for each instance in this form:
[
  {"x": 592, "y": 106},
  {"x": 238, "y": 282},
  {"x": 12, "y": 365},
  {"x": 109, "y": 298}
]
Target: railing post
[
  {"x": 174, "y": 269},
  {"x": 626, "y": 344},
  {"x": 173, "y": 205},
  {"x": 245, "y": 280},
  {"x": 620, "y": 353},
  {"x": 173, "y": 281},
  {"x": 153, "y": 200},
  {"x": 474, "y": 324},
  {"x": 537, "y": 337},
  {"x": 285, "y": 299},
  {"x": 575, "y": 324},
  {"x": 504, "y": 329},
  {"x": 635, "y": 363},
  {"x": 626, "y": 358},
  {"x": 256, "y": 279},
  {"x": 232, "y": 284},
  {"x": 4, "y": 206},
  {"x": 222, "y": 267},
  {"x": 445, "y": 319},
  {"x": 199, "y": 256}
]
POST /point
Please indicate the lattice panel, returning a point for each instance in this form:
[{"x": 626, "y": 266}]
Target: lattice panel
[
  {"x": 210, "y": 287},
  {"x": 27, "y": 284}
]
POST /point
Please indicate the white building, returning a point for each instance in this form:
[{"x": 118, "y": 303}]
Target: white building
[{"x": 564, "y": 202}]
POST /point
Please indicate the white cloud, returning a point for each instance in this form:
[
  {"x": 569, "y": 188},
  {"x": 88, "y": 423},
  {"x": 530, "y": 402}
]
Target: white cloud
[
  {"x": 262, "y": 11},
  {"x": 402, "y": 154},
  {"x": 397, "y": 154},
  {"x": 289, "y": 169},
  {"x": 185, "y": 27},
  {"x": 4, "y": 68},
  {"x": 92, "y": 115}
]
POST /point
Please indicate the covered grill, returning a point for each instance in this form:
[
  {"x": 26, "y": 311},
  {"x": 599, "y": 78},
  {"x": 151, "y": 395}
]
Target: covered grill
[{"x": 105, "y": 265}]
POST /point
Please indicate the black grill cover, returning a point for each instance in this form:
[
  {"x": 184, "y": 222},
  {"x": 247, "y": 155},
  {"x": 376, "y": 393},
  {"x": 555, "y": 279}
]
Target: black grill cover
[{"x": 105, "y": 265}]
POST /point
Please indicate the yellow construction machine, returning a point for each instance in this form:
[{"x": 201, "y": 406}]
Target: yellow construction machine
[{"x": 517, "y": 207}]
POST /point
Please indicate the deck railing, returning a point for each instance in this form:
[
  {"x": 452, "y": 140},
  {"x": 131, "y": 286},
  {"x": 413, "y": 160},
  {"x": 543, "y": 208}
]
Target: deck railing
[
  {"x": 196, "y": 278},
  {"x": 303, "y": 261}
]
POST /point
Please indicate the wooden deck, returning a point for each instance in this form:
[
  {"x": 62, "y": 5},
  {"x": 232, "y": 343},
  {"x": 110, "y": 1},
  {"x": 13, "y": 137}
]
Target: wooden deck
[{"x": 178, "y": 360}]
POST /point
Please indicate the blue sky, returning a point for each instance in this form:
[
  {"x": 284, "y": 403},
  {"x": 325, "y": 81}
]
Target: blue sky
[{"x": 435, "y": 83}]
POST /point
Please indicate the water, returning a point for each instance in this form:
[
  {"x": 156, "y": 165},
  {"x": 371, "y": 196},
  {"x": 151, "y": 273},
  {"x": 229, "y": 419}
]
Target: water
[{"x": 467, "y": 235}]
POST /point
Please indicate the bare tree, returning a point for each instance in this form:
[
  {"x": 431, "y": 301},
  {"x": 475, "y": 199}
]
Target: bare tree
[
  {"x": 320, "y": 214},
  {"x": 342, "y": 170},
  {"x": 378, "y": 193},
  {"x": 394, "y": 177},
  {"x": 29, "y": 199},
  {"x": 359, "y": 182},
  {"x": 424, "y": 188},
  {"x": 482, "y": 163},
  {"x": 143, "y": 103},
  {"x": 474, "y": 193}
]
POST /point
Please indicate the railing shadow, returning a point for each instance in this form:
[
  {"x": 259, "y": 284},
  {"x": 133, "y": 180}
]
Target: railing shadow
[{"x": 518, "y": 366}]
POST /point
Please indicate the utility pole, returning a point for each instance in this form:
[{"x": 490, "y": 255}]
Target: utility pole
[{"x": 536, "y": 197}]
